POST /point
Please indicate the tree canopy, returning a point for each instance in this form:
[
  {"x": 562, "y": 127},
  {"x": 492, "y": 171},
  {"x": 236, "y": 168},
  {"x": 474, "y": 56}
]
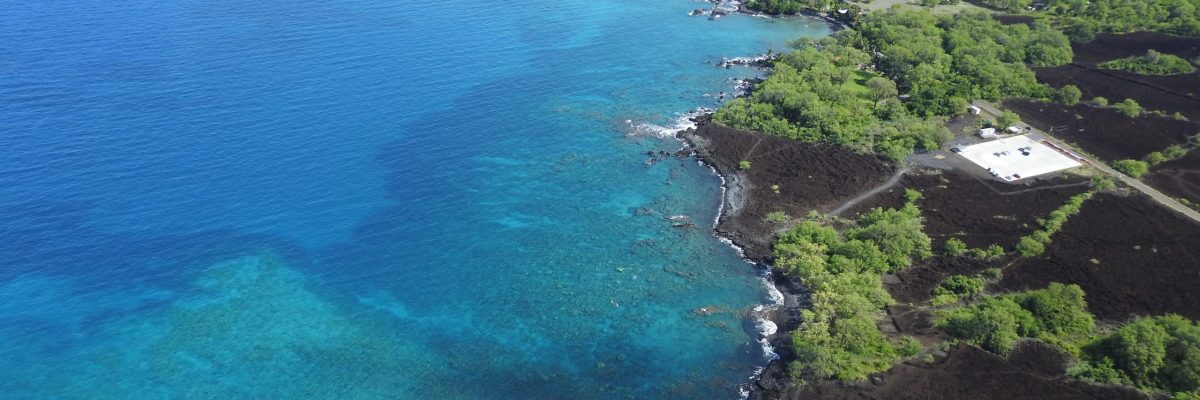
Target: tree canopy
[
  {"x": 1057, "y": 314},
  {"x": 1156, "y": 353},
  {"x": 1151, "y": 63},
  {"x": 839, "y": 338}
]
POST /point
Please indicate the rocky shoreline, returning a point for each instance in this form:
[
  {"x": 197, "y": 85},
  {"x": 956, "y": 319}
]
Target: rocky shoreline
[
  {"x": 785, "y": 315},
  {"x": 817, "y": 184}
]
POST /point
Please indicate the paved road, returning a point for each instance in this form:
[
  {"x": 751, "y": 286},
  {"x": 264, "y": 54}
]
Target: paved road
[{"x": 1154, "y": 194}]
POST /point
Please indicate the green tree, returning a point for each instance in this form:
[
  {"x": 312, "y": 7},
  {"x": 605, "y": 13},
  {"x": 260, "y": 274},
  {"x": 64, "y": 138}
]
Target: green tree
[
  {"x": 1134, "y": 168},
  {"x": 959, "y": 286},
  {"x": 1007, "y": 119},
  {"x": 881, "y": 88},
  {"x": 1068, "y": 95},
  {"x": 1151, "y": 63},
  {"x": 1130, "y": 108},
  {"x": 898, "y": 233},
  {"x": 1154, "y": 353},
  {"x": 1030, "y": 247},
  {"x": 955, "y": 247},
  {"x": 1057, "y": 314},
  {"x": 994, "y": 324},
  {"x": 1060, "y": 309}
]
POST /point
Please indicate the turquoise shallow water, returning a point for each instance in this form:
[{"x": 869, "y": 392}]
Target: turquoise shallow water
[{"x": 370, "y": 199}]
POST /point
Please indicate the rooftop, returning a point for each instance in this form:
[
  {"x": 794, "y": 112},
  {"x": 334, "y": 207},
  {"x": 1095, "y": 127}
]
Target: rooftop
[{"x": 1017, "y": 157}]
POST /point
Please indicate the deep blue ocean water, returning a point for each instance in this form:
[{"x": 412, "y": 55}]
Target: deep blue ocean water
[{"x": 365, "y": 200}]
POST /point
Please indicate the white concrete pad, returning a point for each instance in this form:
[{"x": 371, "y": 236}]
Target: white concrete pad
[{"x": 1006, "y": 160}]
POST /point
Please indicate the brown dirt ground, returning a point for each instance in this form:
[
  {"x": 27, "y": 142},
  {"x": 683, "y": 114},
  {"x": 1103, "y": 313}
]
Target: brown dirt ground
[
  {"x": 1171, "y": 93},
  {"x": 1131, "y": 256},
  {"x": 1178, "y": 178},
  {"x": 952, "y": 205},
  {"x": 1105, "y": 132},
  {"x": 979, "y": 213},
  {"x": 1032, "y": 371},
  {"x": 810, "y": 176}
]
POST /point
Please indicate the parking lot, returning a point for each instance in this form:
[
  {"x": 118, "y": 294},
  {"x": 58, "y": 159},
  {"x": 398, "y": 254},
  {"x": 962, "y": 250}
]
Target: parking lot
[{"x": 1017, "y": 157}]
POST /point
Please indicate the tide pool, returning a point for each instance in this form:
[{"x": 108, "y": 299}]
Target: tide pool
[{"x": 366, "y": 200}]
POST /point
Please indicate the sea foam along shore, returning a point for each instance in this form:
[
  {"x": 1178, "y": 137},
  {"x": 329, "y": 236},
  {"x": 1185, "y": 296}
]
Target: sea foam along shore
[
  {"x": 733, "y": 198},
  {"x": 732, "y": 201}
]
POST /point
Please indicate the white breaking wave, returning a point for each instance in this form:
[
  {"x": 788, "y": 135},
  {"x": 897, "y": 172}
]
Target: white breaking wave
[{"x": 681, "y": 122}]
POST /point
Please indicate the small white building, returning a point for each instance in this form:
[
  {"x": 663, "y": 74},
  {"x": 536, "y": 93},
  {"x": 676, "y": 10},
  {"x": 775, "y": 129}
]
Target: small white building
[
  {"x": 973, "y": 110},
  {"x": 987, "y": 133}
]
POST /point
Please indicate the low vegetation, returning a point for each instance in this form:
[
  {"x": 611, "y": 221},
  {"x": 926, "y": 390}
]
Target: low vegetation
[
  {"x": 1083, "y": 19},
  {"x": 957, "y": 288},
  {"x": 1057, "y": 314},
  {"x": 1153, "y": 354},
  {"x": 955, "y": 247},
  {"x": 1151, "y": 63},
  {"x": 1034, "y": 244},
  {"x": 1134, "y": 168},
  {"x": 1130, "y": 108},
  {"x": 777, "y": 217},
  {"x": 839, "y": 338}
]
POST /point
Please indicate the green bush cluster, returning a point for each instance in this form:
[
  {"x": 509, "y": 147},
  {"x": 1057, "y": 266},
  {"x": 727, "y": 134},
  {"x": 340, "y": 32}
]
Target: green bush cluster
[
  {"x": 1155, "y": 354},
  {"x": 956, "y": 288},
  {"x": 1068, "y": 95},
  {"x": 1085, "y": 18},
  {"x": 826, "y": 92},
  {"x": 1057, "y": 314},
  {"x": 1130, "y": 108},
  {"x": 821, "y": 95},
  {"x": 777, "y": 217},
  {"x": 1170, "y": 153},
  {"x": 789, "y": 6},
  {"x": 942, "y": 62},
  {"x": 839, "y": 338},
  {"x": 956, "y": 247},
  {"x": 1034, "y": 244},
  {"x": 1131, "y": 167},
  {"x": 1151, "y": 63}
]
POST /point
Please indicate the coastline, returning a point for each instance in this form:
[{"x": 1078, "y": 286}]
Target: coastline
[{"x": 772, "y": 320}]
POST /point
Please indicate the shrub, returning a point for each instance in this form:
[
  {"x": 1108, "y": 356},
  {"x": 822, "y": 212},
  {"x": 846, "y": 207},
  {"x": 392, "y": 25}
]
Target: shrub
[
  {"x": 1007, "y": 119},
  {"x": 1103, "y": 183},
  {"x": 1030, "y": 247},
  {"x": 1057, "y": 314},
  {"x": 955, "y": 247},
  {"x": 955, "y": 288},
  {"x": 1155, "y": 158},
  {"x": 1134, "y": 168},
  {"x": 1100, "y": 101},
  {"x": 1130, "y": 108},
  {"x": 1151, "y": 63},
  {"x": 744, "y": 165},
  {"x": 1155, "y": 353},
  {"x": 777, "y": 217},
  {"x": 993, "y": 325},
  {"x": 1068, "y": 95},
  {"x": 838, "y": 337},
  {"x": 909, "y": 347}
]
